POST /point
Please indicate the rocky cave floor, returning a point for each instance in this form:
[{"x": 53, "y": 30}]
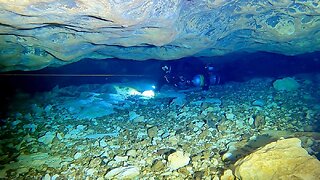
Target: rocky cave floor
[{"x": 46, "y": 136}]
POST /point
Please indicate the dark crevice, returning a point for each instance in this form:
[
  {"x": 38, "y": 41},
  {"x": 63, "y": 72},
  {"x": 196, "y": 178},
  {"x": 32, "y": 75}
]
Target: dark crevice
[
  {"x": 7, "y": 25},
  {"x": 99, "y": 18},
  {"x": 23, "y": 15}
]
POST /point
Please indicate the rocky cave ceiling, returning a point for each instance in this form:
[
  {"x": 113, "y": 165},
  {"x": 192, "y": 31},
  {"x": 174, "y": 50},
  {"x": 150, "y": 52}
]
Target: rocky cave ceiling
[{"x": 40, "y": 33}]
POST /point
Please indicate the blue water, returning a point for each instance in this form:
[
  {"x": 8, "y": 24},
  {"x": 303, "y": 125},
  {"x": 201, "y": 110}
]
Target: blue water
[{"x": 94, "y": 115}]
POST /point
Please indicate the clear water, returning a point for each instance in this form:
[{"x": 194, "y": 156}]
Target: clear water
[{"x": 84, "y": 119}]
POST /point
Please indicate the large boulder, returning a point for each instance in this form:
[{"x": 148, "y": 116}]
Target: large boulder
[
  {"x": 283, "y": 159},
  {"x": 286, "y": 84},
  {"x": 38, "y": 33}
]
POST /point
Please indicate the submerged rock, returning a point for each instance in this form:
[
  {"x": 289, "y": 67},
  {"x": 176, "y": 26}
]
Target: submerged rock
[
  {"x": 178, "y": 159},
  {"x": 283, "y": 159},
  {"x": 123, "y": 173},
  {"x": 286, "y": 84},
  {"x": 152, "y": 132},
  {"x": 258, "y": 102},
  {"x": 47, "y": 138},
  {"x": 227, "y": 175}
]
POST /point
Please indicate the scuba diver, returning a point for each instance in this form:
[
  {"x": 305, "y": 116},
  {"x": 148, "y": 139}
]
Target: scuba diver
[{"x": 188, "y": 73}]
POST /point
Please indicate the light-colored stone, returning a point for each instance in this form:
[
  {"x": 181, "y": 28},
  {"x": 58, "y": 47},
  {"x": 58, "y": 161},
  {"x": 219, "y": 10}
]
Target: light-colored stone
[
  {"x": 47, "y": 138},
  {"x": 139, "y": 119},
  {"x": 132, "y": 153},
  {"x": 129, "y": 172},
  {"x": 178, "y": 159},
  {"x": 227, "y": 175},
  {"x": 46, "y": 177},
  {"x": 230, "y": 116},
  {"x": 283, "y": 159},
  {"x": 120, "y": 158},
  {"x": 77, "y": 155},
  {"x": 103, "y": 143}
]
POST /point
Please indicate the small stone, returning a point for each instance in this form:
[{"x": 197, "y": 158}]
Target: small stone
[
  {"x": 54, "y": 177},
  {"x": 152, "y": 132},
  {"x": 14, "y": 123},
  {"x": 198, "y": 175},
  {"x": 103, "y": 143},
  {"x": 90, "y": 172},
  {"x": 60, "y": 136},
  {"x": 95, "y": 162},
  {"x": 259, "y": 121},
  {"x": 227, "y": 175},
  {"x": 47, "y": 138},
  {"x": 230, "y": 116},
  {"x": 258, "y": 102},
  {"x": 120, "y": 158},
  {"x": 133, "y": 115},
  {"x": 173, "y": 140},
  {"x": 129, "y": 172},
  {"x": 158, "y": 166},
  {"x": 184, "y": 171},
  {"x": 251, "y": 121},
  {"x": 77, "y": 155},
  {"x": 178, "y": 159},
  {"x": 132, "y": 153},
  {"x": 139, "y": 119},
  {"x": 81, "y": 127},
  {"x": 199, "y": 124},
  {"x": 46, "y": 177}
]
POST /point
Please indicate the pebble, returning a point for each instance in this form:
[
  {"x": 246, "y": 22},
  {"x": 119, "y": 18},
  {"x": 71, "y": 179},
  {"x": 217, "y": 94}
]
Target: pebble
[
  {"x": 129, "y": 172},
  {"x": 158, "y": 165},
  {"x": 132, "y": 115},
  {"x": 132, "y": 153},
  {"x": 95, "y": 162},
  {"x": 227, "y": 175},
  {"x": 47, "y": 138},
  {"x": 139, "y": 119},
  {"x": 90, "y": 172},
  {"x": 258, "y": 102},
  {"x": 259, "y": 121},
  {"x": 54, "y": 177},
  {"x": 230, "y": 116},
  {"x": 120, "y": 158},
  {"x": 46, "y": 177},
  {"x": 178, "y": 159},
  {"x": 14, "y": 123},
  {"x": 152, "y": 132},
  {"x": 77, "y": 155},
  {"x": 103, "y": 143}
]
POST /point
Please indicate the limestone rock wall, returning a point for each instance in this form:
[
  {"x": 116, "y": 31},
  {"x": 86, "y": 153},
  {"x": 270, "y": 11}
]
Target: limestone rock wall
[{"x": 38, "y": 33}]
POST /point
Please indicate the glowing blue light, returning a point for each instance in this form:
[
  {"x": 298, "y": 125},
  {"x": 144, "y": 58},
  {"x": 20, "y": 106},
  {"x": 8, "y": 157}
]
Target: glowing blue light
[{"x": 153, "y": 86}]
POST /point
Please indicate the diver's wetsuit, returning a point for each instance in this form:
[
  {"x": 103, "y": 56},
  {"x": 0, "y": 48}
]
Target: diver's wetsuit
[{"x": 180, "y": 73}]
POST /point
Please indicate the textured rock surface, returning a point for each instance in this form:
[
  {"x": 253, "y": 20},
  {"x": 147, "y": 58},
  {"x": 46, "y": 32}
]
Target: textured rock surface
[
  {"x": 38, "y": 33},
  {"x": 286, "y": 84},
  {"x": 284, "y": 159},
  {"x": 178, "y": 159}
]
